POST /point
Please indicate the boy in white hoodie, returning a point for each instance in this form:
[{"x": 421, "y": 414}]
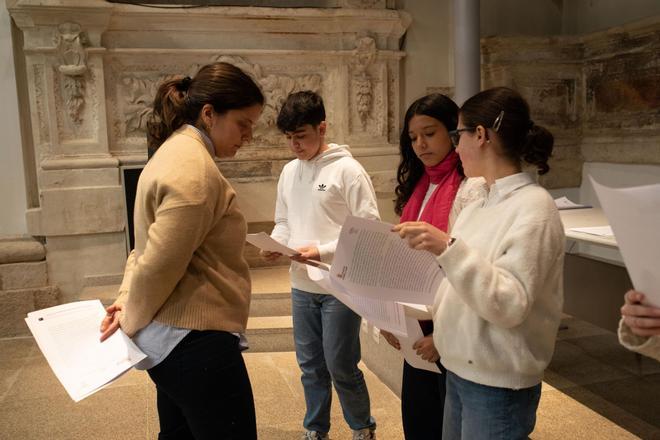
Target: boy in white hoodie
[{"x": 315, "y": 193}]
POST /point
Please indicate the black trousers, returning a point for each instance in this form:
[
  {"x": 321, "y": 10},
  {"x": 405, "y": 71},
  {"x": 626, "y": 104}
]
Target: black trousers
[
  {"x": 203, "y": 390},
  {"x": 422, "y": 402}
]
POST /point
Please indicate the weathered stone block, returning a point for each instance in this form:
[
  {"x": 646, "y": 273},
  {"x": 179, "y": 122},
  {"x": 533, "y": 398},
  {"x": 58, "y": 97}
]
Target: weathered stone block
[
  {"x": 16, "y": 304},
  {"x": 16, "y": 250},
  {"x": 23, "y": 275},
  {"x": 245, "y": 169},
  {"x": 82, "y": 210}
]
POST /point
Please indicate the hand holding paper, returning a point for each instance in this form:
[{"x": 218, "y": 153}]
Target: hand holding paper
[
  {"x": 265, "y": 242},
  {"x": 68, "y": 336}
]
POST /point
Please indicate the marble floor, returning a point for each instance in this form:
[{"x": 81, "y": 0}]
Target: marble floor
[{"x": 594, "y": 389}]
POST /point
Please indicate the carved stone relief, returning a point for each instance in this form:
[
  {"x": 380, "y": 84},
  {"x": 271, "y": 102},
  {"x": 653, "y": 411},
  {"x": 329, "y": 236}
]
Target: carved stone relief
[
  {"x": 136, "y": 91},
  {"x": 275, "y": 88},
  {"x": 134, "y": 97},
  {"x": 40, "y": 104},
  {"x": 70, "y": 42},
  {"x": 363, "y": 56},
  {"x": 84, "y": 101}
]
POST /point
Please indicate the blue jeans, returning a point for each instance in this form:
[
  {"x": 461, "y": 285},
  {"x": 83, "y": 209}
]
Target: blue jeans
[
  {"x": 474, "y": 411},
  {"x": 327, "y": 338}
]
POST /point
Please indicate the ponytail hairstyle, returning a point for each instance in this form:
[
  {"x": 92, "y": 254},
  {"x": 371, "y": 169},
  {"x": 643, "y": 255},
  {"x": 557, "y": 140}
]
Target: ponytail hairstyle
[
  {"x": 411, "y": 168},
  {"x": 180, "y": 100},
  {"x": 504, "y": 111}
]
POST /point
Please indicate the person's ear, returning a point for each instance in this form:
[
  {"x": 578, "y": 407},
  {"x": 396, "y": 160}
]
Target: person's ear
[
  {"x": 322, "y": 128},
  {"x": 482, "y": 134},
  {"x": 207, "y": 116}
]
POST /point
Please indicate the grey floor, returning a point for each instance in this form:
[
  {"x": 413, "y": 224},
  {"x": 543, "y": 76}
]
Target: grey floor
[{"x": 594, "y": 389}]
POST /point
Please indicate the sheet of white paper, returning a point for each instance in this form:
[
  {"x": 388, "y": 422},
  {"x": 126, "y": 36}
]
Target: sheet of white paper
[
  {"x": 417, "y": 311},
  {"x": 601, "y": 231},
  {"x": 372, "y": 261},
  {"x": 387, "y": 315},
  {"x": 634, "y": 214},
  {"x": 565, "y": 203},
  {"x": 265, "y": 242},
  {"x": 68, "y": 336},
  {"x": 409, "y": 353}
]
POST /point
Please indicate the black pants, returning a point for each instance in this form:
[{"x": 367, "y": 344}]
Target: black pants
[
  {"x": 204, "y": 391},
  {"x": 422, "y": 402}
]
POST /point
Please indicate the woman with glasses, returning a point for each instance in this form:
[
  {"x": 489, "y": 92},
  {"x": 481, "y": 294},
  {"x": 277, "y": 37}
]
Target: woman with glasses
[
  {"x": 431, "y": 188},
  {"x": 497, "y": 312}
]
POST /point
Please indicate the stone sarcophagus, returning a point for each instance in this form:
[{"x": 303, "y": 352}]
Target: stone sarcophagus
[{"x": 92, "y": 69}]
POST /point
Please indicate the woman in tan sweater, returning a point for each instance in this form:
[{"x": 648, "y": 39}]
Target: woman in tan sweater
[{"x": 185, "y": 295}]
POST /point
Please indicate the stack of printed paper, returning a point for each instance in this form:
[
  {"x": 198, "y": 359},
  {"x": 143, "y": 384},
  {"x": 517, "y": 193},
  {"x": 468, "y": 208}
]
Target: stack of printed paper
[{"x": 69, "y": 337}]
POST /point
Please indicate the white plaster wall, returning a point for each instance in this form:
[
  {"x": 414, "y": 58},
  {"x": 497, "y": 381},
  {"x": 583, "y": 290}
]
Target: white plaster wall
[
  {"x": 12, "y": 181},
  {"x": 585, "y": 16},
  {"x": 428, "y": 46}
]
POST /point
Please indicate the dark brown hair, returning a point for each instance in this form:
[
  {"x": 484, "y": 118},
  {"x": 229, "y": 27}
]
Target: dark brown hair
[
  {"x": 179, "y": 101},
  {"x": 299, "y": 109},
  {"x": 506, "y": 112},
  {"x": 411, "y": 168}
]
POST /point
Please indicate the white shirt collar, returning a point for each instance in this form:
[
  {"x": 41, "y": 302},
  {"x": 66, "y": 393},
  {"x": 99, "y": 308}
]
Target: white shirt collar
[
  {"x": 207, "y": 141},
  {"x": 503, "y": 187}
]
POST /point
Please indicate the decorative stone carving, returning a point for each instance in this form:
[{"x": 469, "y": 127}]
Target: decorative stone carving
[
  {"x": 70, "y": 44},
  {"x": 138, "y": 99},
  {"x": 364, "y": 56},
  {"x": 136, "y": 92},
  {"x": 275, "y": 88},
  {"x": 40, "y": 103}
]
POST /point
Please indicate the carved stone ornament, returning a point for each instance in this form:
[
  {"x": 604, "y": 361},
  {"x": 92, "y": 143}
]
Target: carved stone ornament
[
  {"x": 364, "y": 56},
  {"x": 137, "y": 97},
  {"x": 138, "y": 91},
  {"x": 71, "y": 42},
  {"x": 275, "y": 88}
]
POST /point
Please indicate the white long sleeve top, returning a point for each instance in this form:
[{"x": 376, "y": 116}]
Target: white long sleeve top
[
  {"x": 646, "y": 345},
  {"x": 497, "y": 312},
  {"x": 314, "y": 197}
]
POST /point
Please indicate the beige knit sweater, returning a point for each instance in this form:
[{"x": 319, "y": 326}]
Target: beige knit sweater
[{"x": 187, "y": 269}]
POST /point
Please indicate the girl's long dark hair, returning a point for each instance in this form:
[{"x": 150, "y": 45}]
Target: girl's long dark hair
[
  {"x": 180, "y": 100},
  {"x": 410, "y": 168}
]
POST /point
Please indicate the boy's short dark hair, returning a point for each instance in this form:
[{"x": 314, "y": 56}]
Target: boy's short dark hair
[{"x": 301, "y": 108}]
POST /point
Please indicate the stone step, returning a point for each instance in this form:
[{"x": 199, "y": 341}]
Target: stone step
[
  {"x": 271, "y": 291},
  {"x": 17, "y": 303},
  {"x": 270, "y": 304},
  {"x": 25, "y": 275},
  {"x": 270, "y": 334}
]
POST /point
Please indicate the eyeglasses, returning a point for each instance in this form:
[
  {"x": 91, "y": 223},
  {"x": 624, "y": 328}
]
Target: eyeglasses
[{"x": 455, "y": 135}]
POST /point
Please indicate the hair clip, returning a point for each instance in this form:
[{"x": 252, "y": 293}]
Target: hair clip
[{"x": 498, "y": 121}]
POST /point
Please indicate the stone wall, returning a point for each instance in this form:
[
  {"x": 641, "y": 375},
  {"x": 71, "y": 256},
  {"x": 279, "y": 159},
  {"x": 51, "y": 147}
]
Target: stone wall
[
  {"x": 599, "y": 93},
  {"x": 92, "y": 69},
  {"x": 24, "y": 285}
]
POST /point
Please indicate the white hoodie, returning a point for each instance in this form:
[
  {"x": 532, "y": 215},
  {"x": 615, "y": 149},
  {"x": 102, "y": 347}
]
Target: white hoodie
[{"x": 313, "y": 199}]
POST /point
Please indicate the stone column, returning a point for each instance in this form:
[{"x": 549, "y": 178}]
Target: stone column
[
  {"x": 467, "y": 56},
  {"x": 81, "y": 208}
]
